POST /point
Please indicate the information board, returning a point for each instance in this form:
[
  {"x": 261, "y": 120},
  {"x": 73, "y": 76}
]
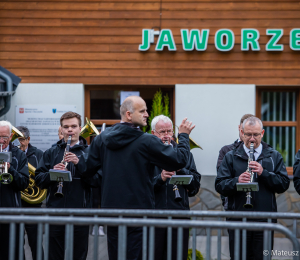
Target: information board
[{"x": 42, "y": 122}]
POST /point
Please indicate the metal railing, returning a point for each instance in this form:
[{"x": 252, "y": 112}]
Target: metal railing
[{"x": 59, "y": 216}]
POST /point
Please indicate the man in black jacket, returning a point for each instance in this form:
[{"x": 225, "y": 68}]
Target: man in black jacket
[
  {"x": 33, "y": 156},
  {"x": 127, "y": 157},
  {"x": 227, "y": 148},
  {"x": 162, "y": 127},
  {"x": 10, "y": 195},
  {"x": 296, "y": 172},
  {"x": 270, "y": 173},
  {"x": 77, "y": 193}
]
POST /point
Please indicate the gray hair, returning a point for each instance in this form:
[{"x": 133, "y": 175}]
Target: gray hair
[
  {"x": 252, "y": 121},
  {"x": 163, "y": 118},
  {"x": 24, "y": 130},
  {"x": 6, "y": 123},
  {"x": 127, "y": 105}
]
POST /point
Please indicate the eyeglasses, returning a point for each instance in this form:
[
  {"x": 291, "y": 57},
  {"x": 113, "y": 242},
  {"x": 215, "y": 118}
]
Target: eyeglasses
[
  {"x": 164, "y": 132},
  {"x": 5, "y": 138},
  {"x": 252, "y": 135},
  {"x": 22, "y": 139}
]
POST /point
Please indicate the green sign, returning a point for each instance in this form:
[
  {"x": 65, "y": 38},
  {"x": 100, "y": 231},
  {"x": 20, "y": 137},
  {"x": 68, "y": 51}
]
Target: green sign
[{"x": 224, "y": 39}]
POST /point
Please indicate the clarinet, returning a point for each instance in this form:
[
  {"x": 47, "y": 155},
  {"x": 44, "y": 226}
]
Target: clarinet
[
  {"x": 248, "y": 204},
  {"x": 178, "y": 198},
  {"x": 59, "y": 193}
]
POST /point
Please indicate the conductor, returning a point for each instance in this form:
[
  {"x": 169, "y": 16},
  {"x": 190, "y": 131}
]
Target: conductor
[{"x": 127, "y": 157}]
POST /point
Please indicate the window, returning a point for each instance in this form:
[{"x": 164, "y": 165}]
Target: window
[
  {"x": 102, "y": 103},
  {"x": 278, "y": 111}
]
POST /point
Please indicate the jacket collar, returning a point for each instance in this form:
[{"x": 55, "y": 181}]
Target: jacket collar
[
  {"x": 82, "y": 143},
  {"x": 30, "y": 150}
]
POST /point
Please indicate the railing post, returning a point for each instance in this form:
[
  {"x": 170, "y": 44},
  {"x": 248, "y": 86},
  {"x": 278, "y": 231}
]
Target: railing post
[
  {"x": 122, "y": 242},
  {"x": 46, "y": 241},
  {"x": 169, "y": 242},
  {"x": 219, "y": 242},
  {"x": 269, "y": 237},
  {"x": 12, "y": 240},
  {"x": 266, "y": 251},
  {"x": 194, "y": 241},
  {"x": 236, "y": 244},
  {"x": 21, "y": 241},
  {"x": 39, "y": 241},
  {"x": 96, "y": 232},
  {"x": 151, "y": 242},
  {"x": 244, "y": 241},
  {"x": 145, "y": 240},
  {"x": 208, "y": 241},
  {"x": 179, "y": 243}
]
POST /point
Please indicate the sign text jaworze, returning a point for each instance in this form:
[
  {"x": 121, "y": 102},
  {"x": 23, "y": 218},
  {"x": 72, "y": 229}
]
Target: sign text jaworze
[{"x": 224, "y": 39}]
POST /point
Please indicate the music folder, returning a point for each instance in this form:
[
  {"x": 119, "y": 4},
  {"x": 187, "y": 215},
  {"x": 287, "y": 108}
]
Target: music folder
[
  {"x": 59, "y": 175},
  {"x": 181, "y": 179},
  {"x": 246, "y": 187},
  {"x": 5, "y": 157}
]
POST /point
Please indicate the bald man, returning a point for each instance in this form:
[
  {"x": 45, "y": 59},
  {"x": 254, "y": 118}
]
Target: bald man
[{"x": 127, "y": 157}]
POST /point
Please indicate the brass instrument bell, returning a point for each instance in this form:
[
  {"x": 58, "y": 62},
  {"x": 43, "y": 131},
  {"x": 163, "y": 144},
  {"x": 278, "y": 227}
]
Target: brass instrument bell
[{"x": 89, "y": 129}]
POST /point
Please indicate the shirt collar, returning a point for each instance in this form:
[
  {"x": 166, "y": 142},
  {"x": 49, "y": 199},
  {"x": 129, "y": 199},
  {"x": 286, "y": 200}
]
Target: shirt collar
[
  {"x": 257, "y": 152},
  {"x": 6, "y": 149},
  {"x": 74, "y": 144}
]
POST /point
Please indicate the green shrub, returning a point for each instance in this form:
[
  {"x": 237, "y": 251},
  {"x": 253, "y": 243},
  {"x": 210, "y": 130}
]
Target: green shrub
[{"x": 198, "y": 255}]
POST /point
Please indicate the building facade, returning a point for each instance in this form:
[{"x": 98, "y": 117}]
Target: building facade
[{"x": 217, "y": 60}]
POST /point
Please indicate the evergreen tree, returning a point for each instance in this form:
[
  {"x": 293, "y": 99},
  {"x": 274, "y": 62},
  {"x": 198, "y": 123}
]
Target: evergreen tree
[{"x": 160, "y": 106}]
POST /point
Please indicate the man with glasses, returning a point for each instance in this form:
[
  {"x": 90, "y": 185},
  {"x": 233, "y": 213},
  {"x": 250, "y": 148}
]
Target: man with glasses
[
  {"x": 10, "y": 194},
  {"x": 270, "y": 173},
  {"x": 225, "y": 149},
  {"x": 33, "y": 156},
  {"x": 162, "y": 127}
]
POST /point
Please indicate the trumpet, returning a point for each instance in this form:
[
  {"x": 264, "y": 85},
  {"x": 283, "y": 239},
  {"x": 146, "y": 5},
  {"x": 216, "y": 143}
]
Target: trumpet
[
  {"x": 5, "y": 176},
  {"x": 59, "y": 193}
]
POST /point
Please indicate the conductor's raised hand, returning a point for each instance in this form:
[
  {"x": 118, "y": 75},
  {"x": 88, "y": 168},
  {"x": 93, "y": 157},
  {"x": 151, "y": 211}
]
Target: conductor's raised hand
[
  {"x": 71, "y": 157},
  {"x": 186, "y": 127}
]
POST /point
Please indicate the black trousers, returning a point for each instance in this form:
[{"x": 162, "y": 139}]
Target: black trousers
[
  {"x": 31, "y": 230},
  {"x": 134, "y": 243},
  {"x": 161, "y": 238},
  {"x": 4, "y": 242},
  {"x": 57, "y": 242},
  {"x": 254, "y": 244}
]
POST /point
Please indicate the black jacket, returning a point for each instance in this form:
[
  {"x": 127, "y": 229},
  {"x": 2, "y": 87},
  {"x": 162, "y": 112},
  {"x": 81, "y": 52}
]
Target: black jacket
[
  {"x": 127, "y": 157},
  {"x": 274, "y": 179},
  {"x": 163, "y": 191},
  {"x": 10, "y": 195},
  {"x": 77, "y": 193},
  {"x": 296, "y": 172},
  {"x": 34, "y": 155},
  {"x": 225, "y": 149}
]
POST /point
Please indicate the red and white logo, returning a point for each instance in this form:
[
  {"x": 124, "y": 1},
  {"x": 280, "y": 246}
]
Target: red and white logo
[{"x": 21, "y": 110}]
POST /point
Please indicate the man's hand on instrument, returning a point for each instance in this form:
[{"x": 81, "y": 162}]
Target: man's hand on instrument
[
  {"x": 245, "y": 177},
  {"x": 59, "y": 166},
  {"x": 71, "y": 157},
  {"x": 256, "y": 167},
  {"x": 166, "y": 175},
  {"x": 8, "y": 165},
  {"x": 186, "y": 127}
]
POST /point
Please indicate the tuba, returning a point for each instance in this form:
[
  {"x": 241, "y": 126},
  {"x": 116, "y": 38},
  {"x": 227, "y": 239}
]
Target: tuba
[{"x": 32, "y": 194}]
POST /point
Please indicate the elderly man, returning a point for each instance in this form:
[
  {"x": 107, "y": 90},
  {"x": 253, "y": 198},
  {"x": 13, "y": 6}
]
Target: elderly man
[
  {"x": 162, "y": 127},
  {"x": 10, "y": 195},
  {"x": 269, "y": 171},
  {"x": 77, "y": 194},
  {"x": 225, "y": 149},
  {"x": 127, "y": 157},
  {"x": 33, "y": 156}
]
